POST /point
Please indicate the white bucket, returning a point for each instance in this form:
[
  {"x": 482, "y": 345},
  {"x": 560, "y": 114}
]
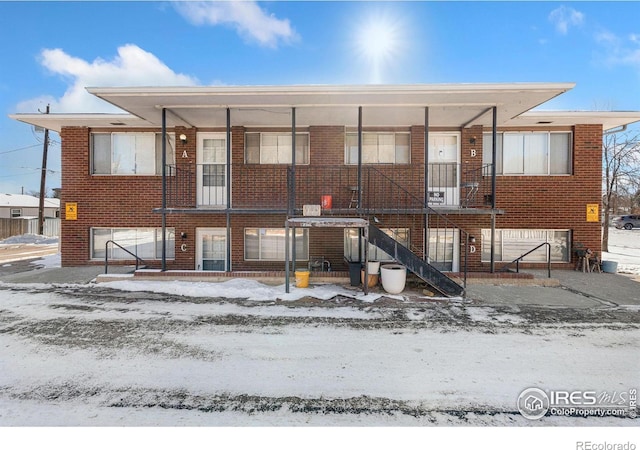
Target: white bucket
[{"x": 373, "y": 267}]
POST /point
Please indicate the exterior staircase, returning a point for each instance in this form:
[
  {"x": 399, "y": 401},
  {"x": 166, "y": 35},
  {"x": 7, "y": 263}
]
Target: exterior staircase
[
  {"x": 394, "y": 198},
  {"x": 425, "y": 271}
]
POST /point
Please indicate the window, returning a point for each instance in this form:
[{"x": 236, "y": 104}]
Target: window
[
  {"x": 16, "y": 213},
  {"x": 443, "y": 243},
  {"x": 511, "y": 244},
  {"x": 275, "y": 148},
  {"x": 129, "y": 153},
  {"x": 378, "y": 148},
  {"x": 146, "y": 243},
  {"x": 530, "y": 153},
  {"x": 375, "y": 254},
  {"x": 268, "y": 244}
]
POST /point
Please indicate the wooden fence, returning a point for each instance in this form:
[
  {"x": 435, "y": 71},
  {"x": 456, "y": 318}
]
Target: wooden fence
[{"x": 20, "y": 226}]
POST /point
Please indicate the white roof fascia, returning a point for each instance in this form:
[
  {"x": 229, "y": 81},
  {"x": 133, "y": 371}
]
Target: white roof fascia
[
  {"x": 608, "y": 119},
  {"x": 56, "y": 121}
]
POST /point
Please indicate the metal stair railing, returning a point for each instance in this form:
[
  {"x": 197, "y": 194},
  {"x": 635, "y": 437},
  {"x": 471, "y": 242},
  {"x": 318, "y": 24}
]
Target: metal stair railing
[
  {"x": 106, "y": 255},
  {"x": 521, "y": 257},
  {"x": 383, "y": 200},
  {"x": 409, "y": 204},
  {"x": 415, "y": 264}
]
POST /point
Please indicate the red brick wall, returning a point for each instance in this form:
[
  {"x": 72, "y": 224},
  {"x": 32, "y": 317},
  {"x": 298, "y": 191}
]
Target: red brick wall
[
  {"x": 102, "y": 200},
  {"x": 558, "y": 202},
  {"x": 550, "y": 202}
]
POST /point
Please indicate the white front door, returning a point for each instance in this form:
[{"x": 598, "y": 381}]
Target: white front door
[
  {"x": 211, "y": 249},
  {"x": 211, "y": 160},
  {"x": 444, "y": 249},
  {"x": 444, "y": 169}
]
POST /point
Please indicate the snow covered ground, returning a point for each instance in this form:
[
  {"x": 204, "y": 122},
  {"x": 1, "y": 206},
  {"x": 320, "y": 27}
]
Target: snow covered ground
[
  {"x": 137, "y": 354},
  {"x": 34, "y": 239},
  {"x": 624, "y": 248}
]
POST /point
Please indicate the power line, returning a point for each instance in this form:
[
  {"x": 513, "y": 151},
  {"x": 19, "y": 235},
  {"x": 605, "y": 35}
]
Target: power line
[
  {"x": 16, "y": 175},
  {"x": 18, "y": 149}
]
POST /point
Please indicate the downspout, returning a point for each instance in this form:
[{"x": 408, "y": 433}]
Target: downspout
[
  {"x": 164, "y": 189},
  {"x": 228, "y": 175},
  {"x": 426, "y": 184},
  {"x": 494, "y": 146}
]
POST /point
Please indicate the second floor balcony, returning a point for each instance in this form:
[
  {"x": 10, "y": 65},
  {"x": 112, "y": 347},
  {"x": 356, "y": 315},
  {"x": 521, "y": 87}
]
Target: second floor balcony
[{"x": 450, "y": 186}]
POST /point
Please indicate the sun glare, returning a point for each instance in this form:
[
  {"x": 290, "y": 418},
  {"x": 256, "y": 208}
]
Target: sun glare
[{"x": 378, "y": 42}]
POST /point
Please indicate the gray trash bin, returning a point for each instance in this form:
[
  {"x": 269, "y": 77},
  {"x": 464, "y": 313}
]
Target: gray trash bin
[{"x": 609, "y": 266}]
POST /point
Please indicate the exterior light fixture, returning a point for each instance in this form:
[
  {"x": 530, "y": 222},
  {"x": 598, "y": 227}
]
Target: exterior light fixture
[{"x": 183, "y": 138}]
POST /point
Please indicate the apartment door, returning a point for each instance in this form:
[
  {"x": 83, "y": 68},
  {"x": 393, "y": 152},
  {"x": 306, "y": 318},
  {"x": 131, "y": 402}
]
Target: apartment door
[
  {"x": 444, "y": 169},
  {"x": 444, "y": 249},
  {"x": 211, "y": 249},
  {"x": 211, "y": 160}
]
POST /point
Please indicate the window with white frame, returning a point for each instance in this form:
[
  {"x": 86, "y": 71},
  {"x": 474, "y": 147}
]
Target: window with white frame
[
  {"x": 442, "y": 248},
  {"x": 530, "y": 153},
  {"x": 275, "y": 148},
  {"x": 130, "y": 153},
  {"x": 268, "y": 244},
  {"x": 351, "y": 244},
  {"x": 513, "y": 243},
  {"x": 146, "y": 243},
  {"x": 16, "y": 212},
  {"x": 379, "y": 148}
]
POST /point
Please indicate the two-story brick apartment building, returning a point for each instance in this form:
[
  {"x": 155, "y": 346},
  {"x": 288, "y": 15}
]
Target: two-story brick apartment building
[{"x": 220, "y": 169}]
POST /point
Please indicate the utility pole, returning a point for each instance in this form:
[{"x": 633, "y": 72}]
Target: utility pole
[{"x": 43, "y": 178}]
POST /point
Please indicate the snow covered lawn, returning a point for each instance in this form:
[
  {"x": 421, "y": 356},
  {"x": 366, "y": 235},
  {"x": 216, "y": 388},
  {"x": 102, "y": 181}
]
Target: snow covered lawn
[
  {"x": 106, "y": 357},
  {"x": 194, "y": 354}
]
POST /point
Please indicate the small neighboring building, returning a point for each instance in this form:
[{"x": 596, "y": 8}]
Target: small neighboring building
[
  {"x": 460, "y": 176},
  {"x": 13, "y": 206}
]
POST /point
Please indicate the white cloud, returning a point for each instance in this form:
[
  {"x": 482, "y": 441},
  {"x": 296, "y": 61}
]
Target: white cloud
[
  {"x": 37, "y": 104},
  {"x": 564, "y": 17},
  {"x": 616, "y": 50},
  {"x": 132, "y": 66},
  {"x": 251, "y": 22},
  {"x": 606, "y": 37}
]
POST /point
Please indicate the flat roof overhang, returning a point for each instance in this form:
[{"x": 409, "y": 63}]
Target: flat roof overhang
[
  {"x": 608, "y": 119},
  {"x": 450, "y": 106},
  {"x": 55, "y": 121}
]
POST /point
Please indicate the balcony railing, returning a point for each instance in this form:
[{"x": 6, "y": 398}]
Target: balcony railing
[
  {"x": 384, "y": 187},
  {"x": 389, "y": 188}
]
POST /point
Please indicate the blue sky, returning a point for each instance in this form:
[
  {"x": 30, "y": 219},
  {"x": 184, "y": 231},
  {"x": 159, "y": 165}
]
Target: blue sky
[{"x": 51, "y": 50}]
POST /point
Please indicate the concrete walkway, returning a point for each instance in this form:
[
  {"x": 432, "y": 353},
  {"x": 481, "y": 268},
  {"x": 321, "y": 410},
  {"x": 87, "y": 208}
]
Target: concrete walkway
[
  {"x": 25, "y": 272},
  {"x": 568, "y": 288},
  {"x": 575, "y": 289}
]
